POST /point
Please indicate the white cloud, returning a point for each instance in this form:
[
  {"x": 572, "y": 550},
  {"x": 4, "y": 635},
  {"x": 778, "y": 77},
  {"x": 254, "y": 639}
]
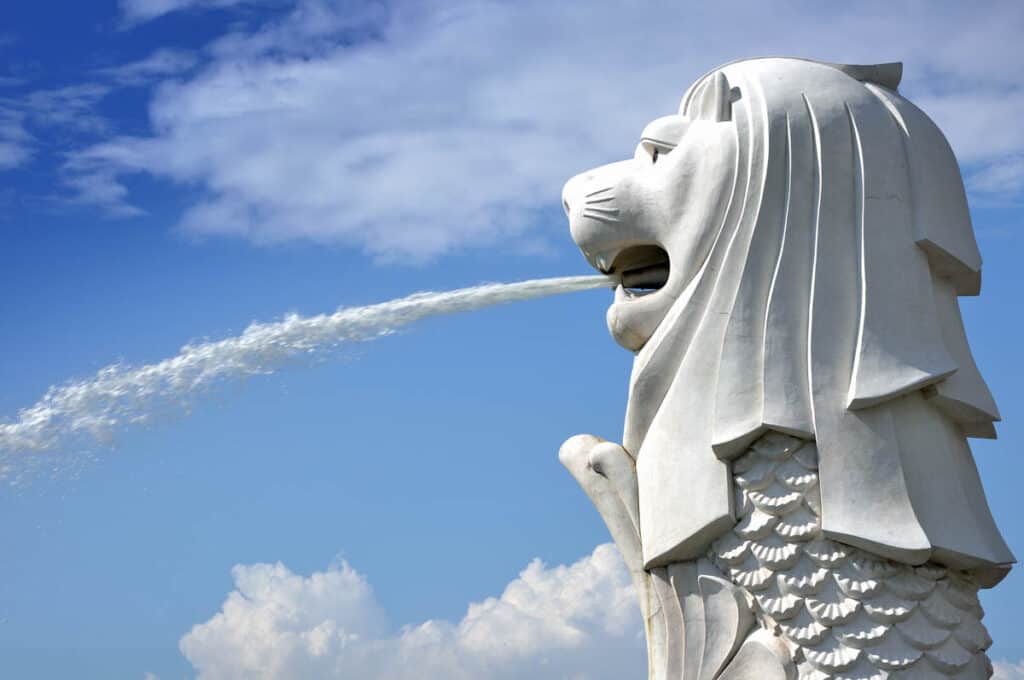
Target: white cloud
[
  {"x": 138, "y": 11},
  {"x": 1003, "y": 177},
  {"x": 102, "y": 186},
  {"x": 161, "y": 63},
  {"x": 419, "y": 129},
  {"x": 74, "y": 109},
  {"x": 577, "y": 622},
  {"x": 15, "y": 141},
  {"x": 25, "y": 118},
  {"x": 1005, "y": 670},
  {"x": 71, "y": 107},
  {"x": 980, "y": 122}
]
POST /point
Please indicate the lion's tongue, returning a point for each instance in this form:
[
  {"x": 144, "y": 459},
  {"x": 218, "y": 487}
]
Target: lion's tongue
[{"x": 647, "y": 279}]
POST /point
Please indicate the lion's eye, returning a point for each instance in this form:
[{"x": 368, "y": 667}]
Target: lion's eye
[{"x": 651, "y": 150}]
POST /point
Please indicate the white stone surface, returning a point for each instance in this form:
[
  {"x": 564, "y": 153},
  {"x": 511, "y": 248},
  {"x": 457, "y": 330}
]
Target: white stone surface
[{"x": 791, "y": 245}]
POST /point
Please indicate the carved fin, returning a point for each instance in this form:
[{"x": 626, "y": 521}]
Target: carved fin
[
  {"x": 684, "y": 581},
  {"x": 727, "y": 619},
  {"x": 762, "y": 656},
  {"x": 667, "y": 657}
]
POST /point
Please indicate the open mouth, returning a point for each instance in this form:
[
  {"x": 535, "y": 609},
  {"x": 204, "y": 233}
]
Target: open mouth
[{"x": 642, "y": 270}]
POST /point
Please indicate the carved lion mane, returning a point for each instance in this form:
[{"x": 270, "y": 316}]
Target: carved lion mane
[{"x": 791, "y": 246}]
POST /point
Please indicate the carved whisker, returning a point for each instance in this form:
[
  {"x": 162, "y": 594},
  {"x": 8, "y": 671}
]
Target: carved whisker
[
  {"x": 608, "y": 219},
  {"x": 602, "y": 211},
  {"x": 598, "y": 191},
  {"x": 603, "y": 199}
]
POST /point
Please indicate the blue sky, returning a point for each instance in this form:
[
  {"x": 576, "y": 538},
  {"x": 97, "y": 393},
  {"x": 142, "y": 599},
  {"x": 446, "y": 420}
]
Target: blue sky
[{"x": 171, "y": 170}]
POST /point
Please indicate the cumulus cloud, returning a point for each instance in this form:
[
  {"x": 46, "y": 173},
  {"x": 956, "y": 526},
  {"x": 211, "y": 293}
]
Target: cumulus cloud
[
  {"x": 576, "y": 622},
  {"x": 1004, "y": 670},
  {"x": 410, "y": 130}
]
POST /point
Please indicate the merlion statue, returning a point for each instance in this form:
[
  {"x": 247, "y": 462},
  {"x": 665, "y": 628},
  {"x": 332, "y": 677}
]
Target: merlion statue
[{"x": 794, "y": 494}]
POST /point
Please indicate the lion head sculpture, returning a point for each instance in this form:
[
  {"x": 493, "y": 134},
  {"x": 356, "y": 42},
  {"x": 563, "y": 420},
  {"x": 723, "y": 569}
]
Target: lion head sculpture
[{"x": 790, "y": 248}]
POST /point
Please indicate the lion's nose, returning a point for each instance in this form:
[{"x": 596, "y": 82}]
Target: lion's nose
[
  {"x": 567, "y": 191},
  {"x": 571, "y": 191}
]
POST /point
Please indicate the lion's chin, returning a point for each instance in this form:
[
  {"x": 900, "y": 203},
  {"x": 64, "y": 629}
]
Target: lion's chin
[{"x": 633, "y": 319}]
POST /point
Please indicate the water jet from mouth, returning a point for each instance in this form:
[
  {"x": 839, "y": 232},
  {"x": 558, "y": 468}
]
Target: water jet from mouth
[{"x": 120, "y": 395}]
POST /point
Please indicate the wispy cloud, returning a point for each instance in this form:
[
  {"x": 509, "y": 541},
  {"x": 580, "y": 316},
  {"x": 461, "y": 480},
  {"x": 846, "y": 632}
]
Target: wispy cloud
[
  {"x": 578, "y": 621},
  {"x": 139, "y": 11},
  {"x": 101, "y": 186},
  {"x": 1002, "y": 177},
  {"x": 428, "y": 128},
  {"x": 72, "y": 107},
  {"x": 15, "y": 141},
  {"x": 71, "y": 114},
  {"x": 160, "y": 64},
  {"x": 27, "y": 118},
  {"x": 980, "y": 121}
]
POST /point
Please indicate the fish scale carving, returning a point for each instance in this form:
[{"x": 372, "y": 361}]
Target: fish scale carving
[{"x": 843, "y": 613}]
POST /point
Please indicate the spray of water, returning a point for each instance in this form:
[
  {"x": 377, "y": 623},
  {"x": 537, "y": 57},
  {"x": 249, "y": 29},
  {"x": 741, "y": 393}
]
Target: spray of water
[{"x": 120, "y": 395}]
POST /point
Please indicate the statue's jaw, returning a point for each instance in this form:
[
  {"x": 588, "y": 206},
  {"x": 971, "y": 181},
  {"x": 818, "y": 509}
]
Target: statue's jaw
[
  {"x": 643, "y": 296},
  {"x": 642, "y": 269}
]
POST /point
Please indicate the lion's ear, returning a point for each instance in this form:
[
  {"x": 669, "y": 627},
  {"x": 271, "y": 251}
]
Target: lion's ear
[{"x": 714, "y": 101}]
